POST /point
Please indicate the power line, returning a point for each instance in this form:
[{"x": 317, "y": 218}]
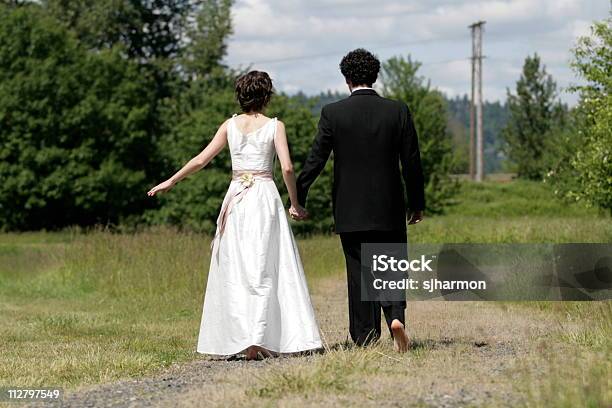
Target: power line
[
  {"x": 338, "y": 52},
  {"x": 448, "y": 61},
  {"x": 492, "y": 37}
]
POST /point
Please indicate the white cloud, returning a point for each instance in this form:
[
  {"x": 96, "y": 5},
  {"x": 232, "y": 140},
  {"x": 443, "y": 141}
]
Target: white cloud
[
  {"x": 580, "y": 28},
  {"x": 273, "y": 35}
]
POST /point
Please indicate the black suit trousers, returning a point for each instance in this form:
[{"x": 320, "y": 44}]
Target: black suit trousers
[{"x": 365, "y": 316}]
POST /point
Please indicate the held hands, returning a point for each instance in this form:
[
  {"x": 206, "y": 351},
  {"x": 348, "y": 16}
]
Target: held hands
[
  {"x": 415, "y": 217},
  {"x": 298, "y": 213},
  {"x": 161, "y": 188}
]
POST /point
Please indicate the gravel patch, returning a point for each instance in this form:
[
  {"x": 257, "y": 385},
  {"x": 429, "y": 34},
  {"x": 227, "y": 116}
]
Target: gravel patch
[{"x": 150, "y": 391}]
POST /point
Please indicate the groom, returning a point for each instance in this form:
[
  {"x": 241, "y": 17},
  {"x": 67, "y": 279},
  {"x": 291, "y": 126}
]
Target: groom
[{"x": 370, "y": 136}]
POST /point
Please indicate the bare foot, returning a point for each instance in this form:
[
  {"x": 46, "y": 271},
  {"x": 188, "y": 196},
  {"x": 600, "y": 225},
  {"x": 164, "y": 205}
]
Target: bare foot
[
  {"x": 401, "y": 343},
  {"x": 257, "y": 353},
  {"x": 251, "y": 353},
  {"x": 264, "y": 353}
]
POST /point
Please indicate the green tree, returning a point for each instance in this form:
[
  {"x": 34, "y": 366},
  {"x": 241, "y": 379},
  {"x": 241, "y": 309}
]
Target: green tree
[
  {"x": 171, "y": 41},
  {"x": 428, "y": 108},
  {"x": 536, "y": 114},
  {"x": 150, "y": 33},
  {"x": 193, "y": 119},
  {"x": 73, "y": 139},
  {"x": 149, "y": 30},
  {"x": 207, "y": 33},
  {"x": 203, "y": 99},
  {"x": 99, "y": 100},
  {"x": 584, "y": 171}
]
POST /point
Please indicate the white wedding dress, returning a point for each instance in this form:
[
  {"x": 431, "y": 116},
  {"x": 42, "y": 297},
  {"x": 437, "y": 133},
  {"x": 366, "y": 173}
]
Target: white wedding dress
[{"x": 256, "y": 292}]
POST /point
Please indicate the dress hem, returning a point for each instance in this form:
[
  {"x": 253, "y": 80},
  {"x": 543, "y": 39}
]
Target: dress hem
[{"x": 301, "y": 350}]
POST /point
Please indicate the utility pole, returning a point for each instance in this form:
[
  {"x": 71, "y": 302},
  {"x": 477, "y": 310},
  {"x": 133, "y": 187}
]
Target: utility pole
[{"x": 476, "y": 136}]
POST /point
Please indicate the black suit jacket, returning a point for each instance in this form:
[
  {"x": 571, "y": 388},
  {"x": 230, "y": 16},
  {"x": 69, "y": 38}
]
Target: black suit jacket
[{"x": 370, "y": 137}]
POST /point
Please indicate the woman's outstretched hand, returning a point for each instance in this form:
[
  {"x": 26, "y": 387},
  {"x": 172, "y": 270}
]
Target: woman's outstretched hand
[
  {"x": 298, "y": 213},
  {"x": 161, "y": 188}
]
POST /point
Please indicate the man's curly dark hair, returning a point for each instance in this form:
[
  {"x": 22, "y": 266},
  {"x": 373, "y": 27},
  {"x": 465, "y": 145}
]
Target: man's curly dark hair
[{"x": 360, "y": 67}]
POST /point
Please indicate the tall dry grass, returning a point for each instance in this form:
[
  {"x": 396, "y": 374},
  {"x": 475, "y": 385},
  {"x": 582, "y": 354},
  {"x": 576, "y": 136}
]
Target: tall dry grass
[{"x": 83, "y": 307}]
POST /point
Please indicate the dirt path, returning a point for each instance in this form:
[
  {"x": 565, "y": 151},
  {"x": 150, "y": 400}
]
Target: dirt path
[{"x": 466, "y": 354}]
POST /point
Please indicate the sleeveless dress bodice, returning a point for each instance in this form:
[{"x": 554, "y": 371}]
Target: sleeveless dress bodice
[{"x": 254, "y": 150}]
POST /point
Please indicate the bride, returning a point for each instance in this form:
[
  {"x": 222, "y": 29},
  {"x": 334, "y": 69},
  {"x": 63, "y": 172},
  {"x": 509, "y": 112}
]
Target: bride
[{"x": 257, "y": 301}]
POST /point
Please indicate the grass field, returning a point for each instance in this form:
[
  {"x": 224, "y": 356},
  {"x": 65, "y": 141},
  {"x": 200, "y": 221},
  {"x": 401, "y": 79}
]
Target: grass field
[{"x": 86, "y": 308}]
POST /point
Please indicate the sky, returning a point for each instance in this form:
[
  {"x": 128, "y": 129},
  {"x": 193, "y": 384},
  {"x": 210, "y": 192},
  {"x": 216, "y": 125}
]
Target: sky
[{"x": 300, "y": 43}]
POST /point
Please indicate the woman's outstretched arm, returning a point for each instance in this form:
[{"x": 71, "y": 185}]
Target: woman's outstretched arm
[
  {"x": 198, "y": 162},
  {"x": 282, "y": 151}
]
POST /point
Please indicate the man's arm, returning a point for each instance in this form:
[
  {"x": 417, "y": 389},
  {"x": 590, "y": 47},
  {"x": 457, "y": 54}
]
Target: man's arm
[
  {"x": 318, "y": 156},
  {"x": 412, "y": 171}
]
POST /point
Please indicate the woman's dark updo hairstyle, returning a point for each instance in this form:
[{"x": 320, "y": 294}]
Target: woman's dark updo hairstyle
[
  {"x": 253, "y": 91},
  {"x": 360, "y": 67}
]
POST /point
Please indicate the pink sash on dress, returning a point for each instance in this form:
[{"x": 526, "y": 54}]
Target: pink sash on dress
[{"x": 247, "y": 178}]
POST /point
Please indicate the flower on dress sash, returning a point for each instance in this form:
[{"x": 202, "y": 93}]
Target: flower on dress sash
[{"x": 247, "y": 179}]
